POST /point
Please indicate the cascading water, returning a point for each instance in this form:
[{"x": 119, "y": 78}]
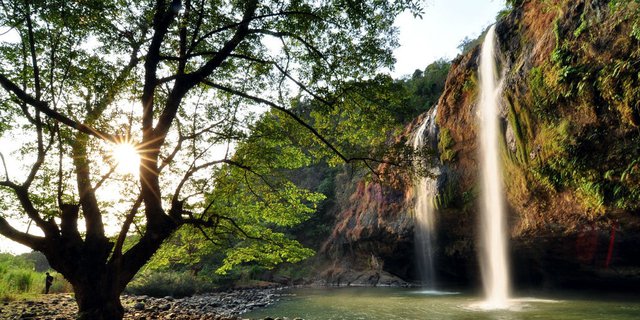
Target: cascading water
[
  {"x": 425, "y": 189},
  {"x": 494, "y": 244}
]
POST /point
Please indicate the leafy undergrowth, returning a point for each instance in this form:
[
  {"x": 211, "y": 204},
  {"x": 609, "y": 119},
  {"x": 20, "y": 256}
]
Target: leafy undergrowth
[
  {"x": 19, "y": 280},
  {"x": 167, "y": 283}
]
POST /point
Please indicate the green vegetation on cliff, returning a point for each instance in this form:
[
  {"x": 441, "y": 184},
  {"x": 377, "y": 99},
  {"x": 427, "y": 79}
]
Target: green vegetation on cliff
[{"x": 577, "y": 124}]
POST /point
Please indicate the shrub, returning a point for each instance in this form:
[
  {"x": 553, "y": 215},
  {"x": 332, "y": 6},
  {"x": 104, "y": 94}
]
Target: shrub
[
  {"x": 445, "y": 145},
  {"x": 20, "y": 280},
  {"x": 161, "y": 284}
]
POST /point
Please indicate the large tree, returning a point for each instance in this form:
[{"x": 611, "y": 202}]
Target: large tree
[{"x": 174, "y": 79}]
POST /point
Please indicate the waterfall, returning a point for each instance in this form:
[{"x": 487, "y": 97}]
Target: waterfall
[
  {"x": 425, "y": 189},
  {"x": 493, "y": 256}
]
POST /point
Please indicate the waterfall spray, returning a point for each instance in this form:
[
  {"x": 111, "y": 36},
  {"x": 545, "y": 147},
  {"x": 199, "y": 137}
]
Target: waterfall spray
[{"x": 493, "y": 256}]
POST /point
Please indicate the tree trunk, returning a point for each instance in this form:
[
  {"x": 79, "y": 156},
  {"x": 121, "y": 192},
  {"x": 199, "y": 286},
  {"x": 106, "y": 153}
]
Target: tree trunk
[
  {"x": 97, "y": 280},
  {"x": 98, "y": 302}
]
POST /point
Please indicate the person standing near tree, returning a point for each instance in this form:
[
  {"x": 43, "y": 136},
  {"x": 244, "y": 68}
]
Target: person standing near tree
[{"x": 48, "y": 283}]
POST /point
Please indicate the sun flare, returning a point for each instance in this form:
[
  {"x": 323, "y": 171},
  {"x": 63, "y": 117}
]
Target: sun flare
[{"x": 127, "y": 158}]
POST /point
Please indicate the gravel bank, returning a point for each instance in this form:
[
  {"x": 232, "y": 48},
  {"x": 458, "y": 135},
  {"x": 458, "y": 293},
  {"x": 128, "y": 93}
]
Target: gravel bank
[{"x": 219, "y": 306}]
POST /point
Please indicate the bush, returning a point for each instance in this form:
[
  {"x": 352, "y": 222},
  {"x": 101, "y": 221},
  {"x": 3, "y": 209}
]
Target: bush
[
  {"x": 20, "y": 280},
  {"x": 161, "y": 284},
  {"x": 18, "y": 277}
]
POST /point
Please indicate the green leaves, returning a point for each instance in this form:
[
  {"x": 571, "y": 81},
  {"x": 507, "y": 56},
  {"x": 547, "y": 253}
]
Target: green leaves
[
  {"x": 189, "y": 87},
  {"x": 276, "y": 250}
]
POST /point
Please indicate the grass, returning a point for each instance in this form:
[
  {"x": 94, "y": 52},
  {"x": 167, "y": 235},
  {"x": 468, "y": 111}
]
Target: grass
[{"x": 19, "y": 280}]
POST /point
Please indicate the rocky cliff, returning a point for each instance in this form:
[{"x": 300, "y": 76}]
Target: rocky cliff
[{"x": 570, "y": 151}]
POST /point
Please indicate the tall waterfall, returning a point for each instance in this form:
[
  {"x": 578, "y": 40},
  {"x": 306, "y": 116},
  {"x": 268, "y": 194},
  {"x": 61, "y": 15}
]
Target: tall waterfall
[
  {"x": 425, "y": 189},
  {"x": 493, "y": 257}
]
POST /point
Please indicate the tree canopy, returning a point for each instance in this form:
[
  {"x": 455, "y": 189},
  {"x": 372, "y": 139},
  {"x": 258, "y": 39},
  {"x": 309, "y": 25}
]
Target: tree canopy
[{"x": 183, "y": 82}]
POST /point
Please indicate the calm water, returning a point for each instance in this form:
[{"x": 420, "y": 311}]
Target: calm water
[{"x": 408, "y": 304}]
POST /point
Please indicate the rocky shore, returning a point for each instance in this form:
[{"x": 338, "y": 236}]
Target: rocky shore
[{"x": 219, "y": 306}]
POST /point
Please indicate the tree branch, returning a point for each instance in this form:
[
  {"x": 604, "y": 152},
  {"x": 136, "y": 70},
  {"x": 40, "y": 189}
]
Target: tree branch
[
  {"x": 285, "y": 74},
  {"x": 192, "y": 79},
  {"x": 4, "y": 163},
  {"x": 281, "y": 35},
  {"x": 33, "y": 242},
  {"x": 122, "y": 236},
  {"x": 49, "y": 228},
  {"x": 32, "y": 50},
  {"x": 195, "y": 169},
  {"x": 254, "y": 18},
  {"x": 43, "y": 107},
  {"x": 151, "y": 142},
  {"x": 301, "y": 122},
  {"x": 285, "y": 111}
]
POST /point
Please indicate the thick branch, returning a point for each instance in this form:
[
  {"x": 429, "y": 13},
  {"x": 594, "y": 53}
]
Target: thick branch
[
  {"x": 33, "y": 242},
  {"x": 151, "y": 143},
  {"x": 161, "y": 21},
  {"x": 90, "y": 208},
  {"x": 88, "y": 200},
  {"x": 192, "y": 79},
  {"x": 42, "y": 151},
  {"x": 138, "y": 255},
  {"x": 48, "y": 227}
]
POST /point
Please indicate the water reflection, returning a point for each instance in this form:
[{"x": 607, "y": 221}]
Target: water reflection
[{"x": 409, "y": 304}]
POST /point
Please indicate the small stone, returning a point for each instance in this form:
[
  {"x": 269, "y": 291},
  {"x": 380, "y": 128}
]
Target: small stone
[{"x": 138, "y": 306}]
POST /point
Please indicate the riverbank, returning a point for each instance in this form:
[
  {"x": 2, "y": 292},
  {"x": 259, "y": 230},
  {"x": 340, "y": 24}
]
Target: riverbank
[{"x": 220, "y": 306}]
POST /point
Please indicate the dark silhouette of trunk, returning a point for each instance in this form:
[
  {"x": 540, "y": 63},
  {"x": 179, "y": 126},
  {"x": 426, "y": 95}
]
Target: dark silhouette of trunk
[
  {"x": 98, "y": 300},
  {"x": 99, "y": 277},
  {"x": 99, "y": 269}
]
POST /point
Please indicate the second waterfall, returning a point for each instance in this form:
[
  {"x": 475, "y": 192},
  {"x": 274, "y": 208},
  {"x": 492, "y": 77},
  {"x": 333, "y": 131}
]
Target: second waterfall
[
  {"x": 493, "y": 255},
  {"x": 426, "y": 137}
]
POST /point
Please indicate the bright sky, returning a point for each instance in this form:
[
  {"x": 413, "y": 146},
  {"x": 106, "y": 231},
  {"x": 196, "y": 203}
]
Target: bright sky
[
  {"x": 442, "y": 28},
  {"x": 444, "y": 25}
]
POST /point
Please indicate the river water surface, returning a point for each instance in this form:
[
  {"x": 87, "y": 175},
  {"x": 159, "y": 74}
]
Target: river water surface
[{"x": 408, "y": 304}]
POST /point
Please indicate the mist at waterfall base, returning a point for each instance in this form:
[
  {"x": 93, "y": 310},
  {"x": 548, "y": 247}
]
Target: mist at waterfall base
[{"x": 493, "y": 255}]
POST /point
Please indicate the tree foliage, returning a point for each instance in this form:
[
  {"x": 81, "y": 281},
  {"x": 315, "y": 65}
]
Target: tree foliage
[
  {"x": 374, "y": 115},
  {"x": 179, "y": 80}
]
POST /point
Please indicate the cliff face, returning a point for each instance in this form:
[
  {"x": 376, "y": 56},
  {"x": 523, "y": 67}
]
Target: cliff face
[
  {"x": 372, "y": 240},
  {"x": 571, "y": 156}
]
